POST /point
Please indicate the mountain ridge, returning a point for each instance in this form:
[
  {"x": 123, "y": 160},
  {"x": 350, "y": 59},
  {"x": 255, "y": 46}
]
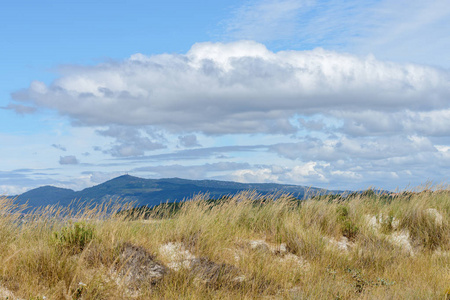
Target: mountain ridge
[{"x": 151, "y": 192}]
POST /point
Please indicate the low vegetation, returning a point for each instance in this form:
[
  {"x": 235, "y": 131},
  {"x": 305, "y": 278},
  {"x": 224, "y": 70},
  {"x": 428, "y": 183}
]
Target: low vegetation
[{"x": 362, "y": 246}]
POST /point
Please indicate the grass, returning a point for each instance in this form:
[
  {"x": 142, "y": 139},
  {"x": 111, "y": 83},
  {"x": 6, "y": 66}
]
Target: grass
[{"x": 365, "y": 246}]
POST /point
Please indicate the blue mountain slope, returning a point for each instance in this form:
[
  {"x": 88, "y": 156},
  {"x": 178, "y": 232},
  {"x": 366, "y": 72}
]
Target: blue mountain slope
[
  {"x": 155, "y": 191},
  {"x": 47, "y": 195}
]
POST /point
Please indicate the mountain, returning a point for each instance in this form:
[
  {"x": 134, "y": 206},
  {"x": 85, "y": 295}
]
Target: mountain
[
  {"x": 152, "y": 192},
  {"x": 47, "y": 195}
]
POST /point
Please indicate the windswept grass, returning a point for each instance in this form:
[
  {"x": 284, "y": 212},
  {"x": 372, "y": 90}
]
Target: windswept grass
[{"x": 365, "y": 246}]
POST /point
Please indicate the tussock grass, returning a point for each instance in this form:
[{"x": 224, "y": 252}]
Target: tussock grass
[{"x": 248, "y": 246}]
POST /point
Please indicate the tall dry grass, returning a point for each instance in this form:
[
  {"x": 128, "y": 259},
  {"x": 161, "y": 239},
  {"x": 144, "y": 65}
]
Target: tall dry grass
[{"x": 366, "y": 246}]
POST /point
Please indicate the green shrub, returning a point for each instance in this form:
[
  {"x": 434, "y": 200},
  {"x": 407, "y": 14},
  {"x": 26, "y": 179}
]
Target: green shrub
[
  {"x": 74, "y": 236},
  {"x": 348, "y": 228}
]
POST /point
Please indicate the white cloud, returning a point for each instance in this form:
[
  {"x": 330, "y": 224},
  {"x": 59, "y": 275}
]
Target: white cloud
[
  {"x": 239, "y": 87},
  {"x": 324, "y": 116},
  {"x": 307, "y": 171},
  {"x": 131, "y": 141},
  {"x": 68, "y": 160},
  {"x": 6, "y": 190},
  {"x": 377, "y": 123},
  {"x": 254, "y": 175},
  {"x": 313, "y": 117},
  {"x": 355, "y": 149},
  {"x": 303, "y": 174},
  {"x": 189, "y": 141}
]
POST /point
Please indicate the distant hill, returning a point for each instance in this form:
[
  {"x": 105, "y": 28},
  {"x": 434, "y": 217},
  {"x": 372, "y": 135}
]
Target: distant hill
[
  {"x": 152, "y": 192},
  {"x": 47, "y": 195}
]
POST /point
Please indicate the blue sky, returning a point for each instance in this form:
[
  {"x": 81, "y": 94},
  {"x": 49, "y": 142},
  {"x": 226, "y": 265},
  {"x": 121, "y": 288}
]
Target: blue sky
[{"x": 333, "y": 94}]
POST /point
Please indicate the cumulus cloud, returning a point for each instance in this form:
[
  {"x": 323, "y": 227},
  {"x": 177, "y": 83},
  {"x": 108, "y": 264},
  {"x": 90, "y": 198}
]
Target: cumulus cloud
[
  {"x": 130, "y": 141},
  {"x": 354, "y": 149},
  {"x": 331, "y": 176},
  {"x": 318, "y": 116},
  {"x": 11, "y": 190},
  {"x": 261, "y": 175},
  {"x": 68, "y": 160},
  {"x": 375, "y": 123},
  {"x": 188, "y": 141},
  {"x": 239, "y": 87},
  {"x": 302, "y": 173}
]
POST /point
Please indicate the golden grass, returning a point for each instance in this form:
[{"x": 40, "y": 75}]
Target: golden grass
[{"x": 364, "y": 247}]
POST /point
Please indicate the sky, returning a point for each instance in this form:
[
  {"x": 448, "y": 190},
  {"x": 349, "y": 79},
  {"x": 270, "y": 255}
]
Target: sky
[{"x": 325, "y": 93}]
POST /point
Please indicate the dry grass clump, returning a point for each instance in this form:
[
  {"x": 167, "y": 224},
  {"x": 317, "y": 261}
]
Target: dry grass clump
[{"x": 364, "y": 246}]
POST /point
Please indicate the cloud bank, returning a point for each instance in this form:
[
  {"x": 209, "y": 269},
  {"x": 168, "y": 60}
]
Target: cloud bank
[
  {"x": 238, "y": 111},
  {"x": 241, "y": 87}
]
